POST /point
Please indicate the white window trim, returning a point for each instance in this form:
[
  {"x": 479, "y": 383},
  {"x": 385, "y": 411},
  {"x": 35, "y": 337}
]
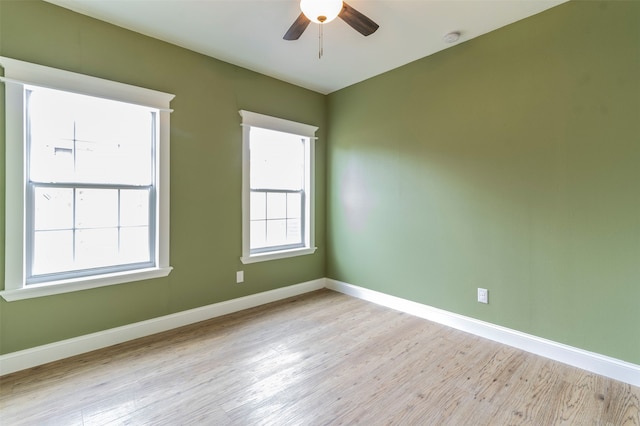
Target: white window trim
[
  {"x": 253, "y": 119},
  {"x": 17, "y": 74}
]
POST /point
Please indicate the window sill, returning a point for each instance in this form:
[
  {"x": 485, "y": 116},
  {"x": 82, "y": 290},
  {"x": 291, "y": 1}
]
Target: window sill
[
  {"x": 274, "y": 255},
  {"x": 85, "y": 283}
]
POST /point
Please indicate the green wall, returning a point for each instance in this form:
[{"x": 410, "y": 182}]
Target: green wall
[
  {"x": 205, "y": 172},
  {"x": 509, "y": 162}
]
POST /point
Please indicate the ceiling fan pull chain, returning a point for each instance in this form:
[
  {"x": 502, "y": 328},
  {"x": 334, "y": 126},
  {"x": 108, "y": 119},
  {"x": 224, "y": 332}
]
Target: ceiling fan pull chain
[{"x": 320, "y": 44}]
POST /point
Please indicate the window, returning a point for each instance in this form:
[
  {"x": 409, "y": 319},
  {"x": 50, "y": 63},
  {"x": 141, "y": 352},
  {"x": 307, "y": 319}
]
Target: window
[
  {"x": 87, "y": 190},
  {"x": 277, "y": 185}
]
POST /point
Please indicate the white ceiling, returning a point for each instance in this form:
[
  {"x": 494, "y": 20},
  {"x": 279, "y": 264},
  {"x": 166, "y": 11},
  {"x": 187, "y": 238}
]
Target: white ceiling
[{"x": 249, "y": 33}]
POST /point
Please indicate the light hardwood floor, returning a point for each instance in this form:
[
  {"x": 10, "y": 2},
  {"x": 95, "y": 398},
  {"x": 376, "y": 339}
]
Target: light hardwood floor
[{"x": 318, "y": 359}]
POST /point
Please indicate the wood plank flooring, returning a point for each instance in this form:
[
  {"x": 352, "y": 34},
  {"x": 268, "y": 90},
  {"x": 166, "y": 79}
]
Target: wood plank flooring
[{"x": 318, "y": 359}]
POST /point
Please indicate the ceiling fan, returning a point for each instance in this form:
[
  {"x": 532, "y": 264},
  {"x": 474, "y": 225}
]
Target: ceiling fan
[{"x": 324, "y": 11}]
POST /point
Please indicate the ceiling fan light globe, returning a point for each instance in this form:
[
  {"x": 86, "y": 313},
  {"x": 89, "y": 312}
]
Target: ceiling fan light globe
[{"x": 321, "y": 11}]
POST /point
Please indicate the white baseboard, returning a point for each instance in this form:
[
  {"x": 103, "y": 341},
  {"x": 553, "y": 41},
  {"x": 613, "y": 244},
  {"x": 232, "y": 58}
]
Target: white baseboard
[
  {"x": 39, "y": 355},
  {"x": 600, "y": 364},
  {"x": 590, "y": 361}
]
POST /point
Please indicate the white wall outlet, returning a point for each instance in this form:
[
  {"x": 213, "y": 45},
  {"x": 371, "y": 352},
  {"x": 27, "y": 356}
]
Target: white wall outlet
[
  {"x": 483, "y": 295},
  {"x": 239, "y": 277}
]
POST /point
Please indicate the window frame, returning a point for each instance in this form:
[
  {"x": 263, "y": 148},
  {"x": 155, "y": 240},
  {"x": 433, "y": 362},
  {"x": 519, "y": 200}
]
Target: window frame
[
  {"x": 253, "y": 119},
  {"x": 18, "y": 77}
]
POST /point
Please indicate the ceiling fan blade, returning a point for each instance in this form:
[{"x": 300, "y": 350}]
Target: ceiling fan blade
[
  {"x": 297, "y": 28},
  {"x": 357, "y": 20}
]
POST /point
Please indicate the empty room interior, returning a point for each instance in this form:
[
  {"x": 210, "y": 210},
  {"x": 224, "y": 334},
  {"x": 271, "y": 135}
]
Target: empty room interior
[{"x": 456, "y": 240}]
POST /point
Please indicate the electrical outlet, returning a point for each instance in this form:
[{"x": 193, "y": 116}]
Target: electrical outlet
[
  {"x": 239, "y": 277},
  {"x": 483, "y": 295}
]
